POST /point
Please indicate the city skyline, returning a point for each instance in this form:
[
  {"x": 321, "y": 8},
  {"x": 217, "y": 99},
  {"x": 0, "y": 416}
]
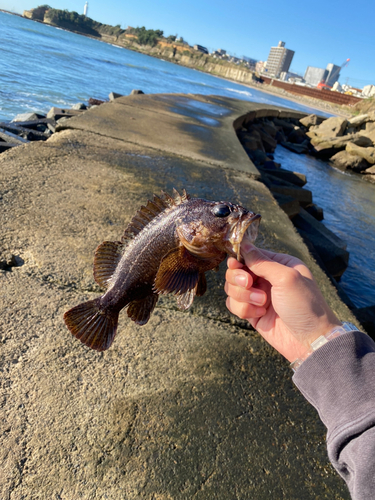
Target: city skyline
[{"x": 329, "y": 33}]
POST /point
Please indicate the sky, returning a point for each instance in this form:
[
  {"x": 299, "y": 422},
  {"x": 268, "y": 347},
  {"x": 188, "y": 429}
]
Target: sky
[{"x": 318, "y": 32}]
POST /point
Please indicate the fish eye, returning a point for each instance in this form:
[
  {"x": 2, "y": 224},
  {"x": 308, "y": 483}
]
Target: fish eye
[{"x": 221, "y": 210}]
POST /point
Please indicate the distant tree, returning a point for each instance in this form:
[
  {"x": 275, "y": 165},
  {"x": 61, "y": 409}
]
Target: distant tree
[{"x": 171, "y": 38}]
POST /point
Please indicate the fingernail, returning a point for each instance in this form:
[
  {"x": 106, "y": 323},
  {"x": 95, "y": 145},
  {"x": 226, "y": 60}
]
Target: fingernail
[
  {"x": 240, "y": 280},
  {"x": 257, "y": 298}
]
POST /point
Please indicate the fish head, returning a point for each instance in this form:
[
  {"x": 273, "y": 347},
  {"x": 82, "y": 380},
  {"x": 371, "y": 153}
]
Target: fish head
[{"x": 217, "y": 227}]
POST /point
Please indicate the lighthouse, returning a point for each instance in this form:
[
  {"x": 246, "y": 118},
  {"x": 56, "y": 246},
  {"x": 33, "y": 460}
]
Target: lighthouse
[{"x": 85, "y": 9}]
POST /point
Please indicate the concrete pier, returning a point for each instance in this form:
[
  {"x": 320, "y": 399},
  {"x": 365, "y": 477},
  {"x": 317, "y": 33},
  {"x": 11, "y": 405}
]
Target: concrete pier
[{"x": 191, "y": 405}]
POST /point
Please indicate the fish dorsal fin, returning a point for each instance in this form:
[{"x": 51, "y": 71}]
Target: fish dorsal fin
[
  {"x": 106, "y": 259},
  {"x": 152, "y": 209}
]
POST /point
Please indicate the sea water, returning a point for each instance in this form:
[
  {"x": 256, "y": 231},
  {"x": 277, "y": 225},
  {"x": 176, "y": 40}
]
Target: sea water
[{"x": 42, "y": 66}]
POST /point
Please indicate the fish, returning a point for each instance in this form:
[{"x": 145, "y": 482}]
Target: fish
[{"x": 167, "y": 247}]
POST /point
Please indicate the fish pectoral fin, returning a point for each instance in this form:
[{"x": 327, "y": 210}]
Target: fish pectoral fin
[
  {"x": 92, "y": 325},
  {"x": 140, "y": 310},
  {"x": 185, "y": 300},
  {"x": 178, "y": 272},
  {"x": 106, "y": 259}
]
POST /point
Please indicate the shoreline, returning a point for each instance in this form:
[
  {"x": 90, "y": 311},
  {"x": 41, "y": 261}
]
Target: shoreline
[{"x": 319, "y": 105}]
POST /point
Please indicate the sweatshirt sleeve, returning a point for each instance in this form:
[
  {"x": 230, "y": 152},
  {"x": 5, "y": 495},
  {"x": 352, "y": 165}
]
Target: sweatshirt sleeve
[{"x": 339, "y": 381}]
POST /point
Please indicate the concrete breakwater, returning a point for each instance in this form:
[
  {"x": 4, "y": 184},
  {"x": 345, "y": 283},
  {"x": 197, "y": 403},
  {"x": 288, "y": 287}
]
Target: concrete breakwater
[{"x": 192, "y": 405}]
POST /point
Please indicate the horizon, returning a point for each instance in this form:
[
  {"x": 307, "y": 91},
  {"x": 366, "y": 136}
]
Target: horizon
[{"x": 216, "y": 25}]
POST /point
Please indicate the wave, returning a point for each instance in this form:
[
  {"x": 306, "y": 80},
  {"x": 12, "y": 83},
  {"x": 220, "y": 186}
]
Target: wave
[{"x": 243, "y": 92}]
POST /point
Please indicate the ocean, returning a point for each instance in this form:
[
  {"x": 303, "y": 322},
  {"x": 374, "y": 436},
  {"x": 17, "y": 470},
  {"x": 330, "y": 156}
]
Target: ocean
[{"x": 43, "y": 66}]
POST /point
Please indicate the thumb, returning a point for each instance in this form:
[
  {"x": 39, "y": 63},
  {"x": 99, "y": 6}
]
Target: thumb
[{"x": 265, "y": 264}]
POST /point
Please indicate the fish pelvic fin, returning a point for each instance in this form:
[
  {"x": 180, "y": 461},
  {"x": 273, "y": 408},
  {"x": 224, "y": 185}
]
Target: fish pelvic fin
[
  {"x": 140, "y": 310},
  {"x": 92, "y": 325},
  {"x": 185, "y": 300}
]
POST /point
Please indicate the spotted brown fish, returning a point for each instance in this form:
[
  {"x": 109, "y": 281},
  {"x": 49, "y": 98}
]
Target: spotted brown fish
[{"x": 168, "y": 247}]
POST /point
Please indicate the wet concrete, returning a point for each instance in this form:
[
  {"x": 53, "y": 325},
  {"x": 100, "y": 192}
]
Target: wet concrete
[{"x": 192, "y": 405}]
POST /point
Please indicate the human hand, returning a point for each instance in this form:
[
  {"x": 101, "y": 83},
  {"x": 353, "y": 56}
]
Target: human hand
[{"x": 279, "y": 297}]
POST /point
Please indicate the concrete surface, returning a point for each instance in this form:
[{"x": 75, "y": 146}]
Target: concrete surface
[{"x": 191, "y": 406}]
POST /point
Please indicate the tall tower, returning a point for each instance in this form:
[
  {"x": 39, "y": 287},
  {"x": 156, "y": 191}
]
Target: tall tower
[
  {"x": 85, "y": 9},
  {"x": 279, "y": 60}
]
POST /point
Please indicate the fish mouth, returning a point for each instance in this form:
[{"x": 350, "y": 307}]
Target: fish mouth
[{"x": 244, "y": 230}]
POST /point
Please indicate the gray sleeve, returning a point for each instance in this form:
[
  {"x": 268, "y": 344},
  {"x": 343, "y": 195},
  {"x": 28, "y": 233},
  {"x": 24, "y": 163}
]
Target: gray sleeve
[{"x": 339, "y": 381}]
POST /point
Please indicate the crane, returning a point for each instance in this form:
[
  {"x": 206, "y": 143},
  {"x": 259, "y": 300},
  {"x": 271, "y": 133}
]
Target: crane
[{"x": 322, "y": 84}]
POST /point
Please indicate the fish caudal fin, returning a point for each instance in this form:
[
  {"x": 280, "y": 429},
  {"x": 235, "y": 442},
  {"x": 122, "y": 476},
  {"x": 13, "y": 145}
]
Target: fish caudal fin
[{"x": 93, "y": 326}]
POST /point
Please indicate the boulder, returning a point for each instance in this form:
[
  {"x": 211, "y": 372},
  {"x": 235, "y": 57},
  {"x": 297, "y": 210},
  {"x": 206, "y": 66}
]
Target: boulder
[
  {"x": 370, "y": 134},
  {"x": 79, "y": 106},
  {"x": 330, "y": 248},
  {"x": 370, "y": 170},
  {"x": 311, "y": 120},
  {"x": 136, "y": 92},
  {"x": 270, "y": 128},
  {"x": 297, "y": 136},
  {"x": 357, "y": 121},
  {"x": 327, "y": 147},
  {"x": 286, "y": 126},
  {"x": 295, "y": 148},
  {"x": 258, "y": 156},
  {"x": 288, "y": 204},
  {"x": 269, "y": 142},
  {"x": 27, "y": 117},
  {"x": 370, "y": 178},
  {"x": 294, "y": 178},
  {"x": 315, "y": 211},
  {"x": 345, "y": 161},
  {"x": 332, "y": 127},
  {"x": 367, "y": 153},
  {"x": 113, "y": 95}
]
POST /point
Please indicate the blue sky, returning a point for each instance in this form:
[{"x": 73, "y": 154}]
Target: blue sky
[{"x": 318, "y": 32}]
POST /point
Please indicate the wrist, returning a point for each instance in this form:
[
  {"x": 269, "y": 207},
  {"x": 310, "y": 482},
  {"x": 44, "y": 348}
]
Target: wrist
[{"x": 335, "y": 332}]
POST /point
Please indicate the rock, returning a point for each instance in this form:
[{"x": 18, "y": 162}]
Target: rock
[
  {"x": 269, "y": 142},
  {"x": 7, "y": 136},
  {"x": 311, "y": 120},
  {"x": 57, "y": 113},
  {"x": 286, "y": 126},
  {"x": 280, "y": 136},
  {"x": 297, "y": 136},
  {"x": 344, "y": 161},
  {"x": 370, "y": 178},
  {"x": 270, "y": 128},
  {"x": 370, "y": 134},
  {"x": 294, "y": 178},
  {"x": 331, "y": 248},
  {"x": 327, "y": 147},
  {"x": 369, "y": 171},
  {"x": 79, "y": 106},
  {"x": 303, "y": 196},
  {"x": 27, "y": 117},
  {"x": 95, "y": 102},
  {"x": 315, "y": 211},
  {"x": 366, "y": 316},
  {"x": 367, "y": 153},
  {"x": 288, "y": 204},
  {"x": 135, "y": 92},
  {"x": 258, "y": 156},
  {"x": 357, "y": 121},
  {"x": 332, "y": 127},
  {"x": 113, "y": 95},
  {"x": 296, "y": 148}
]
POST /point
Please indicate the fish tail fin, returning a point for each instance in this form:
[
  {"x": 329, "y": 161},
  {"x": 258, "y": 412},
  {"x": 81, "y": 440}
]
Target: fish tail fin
[{"x": 93, "y": 325}]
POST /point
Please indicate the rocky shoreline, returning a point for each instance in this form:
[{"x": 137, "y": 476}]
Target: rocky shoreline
[{"x": 349, "y": 145}]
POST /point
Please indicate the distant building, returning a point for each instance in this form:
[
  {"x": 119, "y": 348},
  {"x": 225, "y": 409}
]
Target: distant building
[
  {"x": 85, "y": 9},
  {"x": 329, "y": 76},
  {"x": 313, "y": 76},
  {"x": 368, "y": 90},
  {"x": 333, "y": 74},
  {"x": 279, "y": 60},
  {"x": 260, "y": 66},
  {"x": 200, "y": 48}
]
